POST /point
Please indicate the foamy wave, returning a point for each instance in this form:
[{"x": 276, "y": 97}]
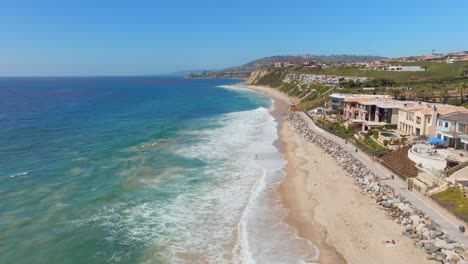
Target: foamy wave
[
  {"x": 235, "y": 88},
  {"x": 211, "y": 221},
  {"x": 19, "y": 174}
]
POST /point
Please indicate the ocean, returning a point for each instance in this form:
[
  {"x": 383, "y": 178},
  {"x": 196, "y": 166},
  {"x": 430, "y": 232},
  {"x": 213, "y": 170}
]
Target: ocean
[{"x": 140, "y": 170}]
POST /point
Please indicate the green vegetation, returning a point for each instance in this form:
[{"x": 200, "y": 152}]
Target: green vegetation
[
  {"x": 336, "y": 128},
  {"x": 314, "y": 101},
  {"x": 371, "y": 147},
  {"x": 434, "y": 71},
  {"x": 454, "y": 200},
  {"x": 274, "y": 78}
]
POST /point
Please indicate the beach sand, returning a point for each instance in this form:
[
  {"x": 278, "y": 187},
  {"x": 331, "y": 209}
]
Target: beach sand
[{"x": 329, "y": 210}]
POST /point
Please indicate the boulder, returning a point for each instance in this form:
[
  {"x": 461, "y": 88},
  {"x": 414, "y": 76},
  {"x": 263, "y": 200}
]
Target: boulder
[
  {"x": 429, "y": 248},
  {"x": 440, "y": 243},
  {"x": 415, "y": 218},
  {"x": 420, "y": 227},
  {"x": 386, "y": 204}
]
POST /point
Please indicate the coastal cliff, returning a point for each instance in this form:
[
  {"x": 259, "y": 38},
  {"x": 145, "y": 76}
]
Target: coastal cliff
[
  {"x": 307, "y": 95},
  {"x": 256, "y": 75}
]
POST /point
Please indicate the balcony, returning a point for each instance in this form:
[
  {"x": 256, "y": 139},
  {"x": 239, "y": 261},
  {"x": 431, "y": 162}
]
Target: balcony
[
  {"x": 445, "y": 129},
  {"x": 464, "y": 138}
]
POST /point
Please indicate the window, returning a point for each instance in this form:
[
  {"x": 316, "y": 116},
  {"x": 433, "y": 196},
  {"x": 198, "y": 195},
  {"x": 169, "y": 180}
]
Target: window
[
  {"x": 446, "y": 124},
  {"x": 462, "y": 128},
  {"x": 418, "y": 120},
  {"x": 440, "y": 123}
]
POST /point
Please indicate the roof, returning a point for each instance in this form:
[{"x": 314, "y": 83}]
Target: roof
[
  {"x": 426, "y": 109},
  {"x": 349, "y": 95},
  {"x": 461, "y": 117},
  {"x": 358, "y": 100}
]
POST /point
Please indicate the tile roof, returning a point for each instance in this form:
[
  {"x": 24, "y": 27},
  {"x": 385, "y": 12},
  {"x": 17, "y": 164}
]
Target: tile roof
[{"x": 359, "y": 99}]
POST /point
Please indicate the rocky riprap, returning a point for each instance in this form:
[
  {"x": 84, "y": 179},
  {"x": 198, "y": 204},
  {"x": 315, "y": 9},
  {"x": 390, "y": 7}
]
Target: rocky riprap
[{"x": 426, "y": 234}]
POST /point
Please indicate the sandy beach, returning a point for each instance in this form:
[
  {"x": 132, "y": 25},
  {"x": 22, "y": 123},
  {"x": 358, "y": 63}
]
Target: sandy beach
[{"x": 329, "y": 210}]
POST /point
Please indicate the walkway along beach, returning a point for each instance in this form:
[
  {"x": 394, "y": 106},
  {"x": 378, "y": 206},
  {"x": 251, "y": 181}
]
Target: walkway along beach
[{"x": 356, "y": 219}]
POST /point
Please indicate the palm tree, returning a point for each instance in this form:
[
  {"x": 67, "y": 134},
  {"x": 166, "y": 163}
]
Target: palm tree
[{"x": 462, "y": 91}]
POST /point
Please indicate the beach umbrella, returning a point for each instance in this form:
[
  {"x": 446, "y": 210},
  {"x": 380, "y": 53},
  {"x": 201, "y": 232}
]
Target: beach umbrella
[{"x": 435, "y": 140}]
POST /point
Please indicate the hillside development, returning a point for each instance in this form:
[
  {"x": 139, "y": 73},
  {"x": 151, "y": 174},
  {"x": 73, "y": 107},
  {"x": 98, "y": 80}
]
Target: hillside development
[{"x": 439, "y": 82}]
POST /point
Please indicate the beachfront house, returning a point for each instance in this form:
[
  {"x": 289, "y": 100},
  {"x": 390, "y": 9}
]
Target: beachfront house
[
  {"x": 371, "y": 112},
  {"x": 453, "y": 128},
  {"x": 337, "y": 99},
  {"x": 421, "y": 119}
]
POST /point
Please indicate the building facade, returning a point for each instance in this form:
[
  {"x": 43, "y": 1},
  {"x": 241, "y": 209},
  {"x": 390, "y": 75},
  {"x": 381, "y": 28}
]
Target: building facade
[
  {"x": 337, "y": 100},
  {"x": 421, "y": 120},
  {"x": 370, "y": 113},
  {"x": 453, "y": 128}
]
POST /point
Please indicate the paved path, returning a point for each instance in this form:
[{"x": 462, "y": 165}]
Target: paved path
[{"x": 447, "y": 221}]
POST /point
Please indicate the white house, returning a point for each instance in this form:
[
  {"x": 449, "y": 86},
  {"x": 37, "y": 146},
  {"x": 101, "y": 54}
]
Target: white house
[
  {"x": 400, "y": 68},
  {"x": 453, "y": 128}
]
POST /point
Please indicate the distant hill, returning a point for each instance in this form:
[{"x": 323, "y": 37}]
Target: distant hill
[
  {"x": 245, "y": 69},
  {"x": 267, "y": 61}
]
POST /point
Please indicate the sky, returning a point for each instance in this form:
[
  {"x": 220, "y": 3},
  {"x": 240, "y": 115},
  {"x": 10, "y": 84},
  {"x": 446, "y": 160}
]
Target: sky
[{"x": 75, "y": 38}]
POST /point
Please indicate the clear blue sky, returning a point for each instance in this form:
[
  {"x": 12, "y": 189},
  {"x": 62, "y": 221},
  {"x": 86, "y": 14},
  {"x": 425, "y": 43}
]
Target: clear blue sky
[{"x": 102, "y": 37}]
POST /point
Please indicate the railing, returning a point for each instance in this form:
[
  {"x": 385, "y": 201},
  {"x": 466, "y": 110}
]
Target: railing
[
  {"x": 464, "y": 137},
  {"x": 445, "y": 129}
]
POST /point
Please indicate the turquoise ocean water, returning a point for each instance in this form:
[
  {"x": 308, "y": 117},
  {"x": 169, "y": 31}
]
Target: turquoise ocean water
[{"x": 139, "y": 170}]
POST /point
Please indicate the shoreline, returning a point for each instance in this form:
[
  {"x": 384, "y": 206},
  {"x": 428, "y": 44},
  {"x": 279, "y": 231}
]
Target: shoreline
[{"x": 326, "y": 208}]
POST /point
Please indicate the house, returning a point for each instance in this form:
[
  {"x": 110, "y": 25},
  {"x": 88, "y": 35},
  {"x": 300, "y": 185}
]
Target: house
[
  {"x": 279, "y": 64},
  {"x": 453, "y": 128},
  {"x": 331, "y": 80},
  {"x": 370, "y": 112},
  {"x": 421, "y": 119},
  {"x": 400, "y": 68},
  {"x": 337, "y": 100},
  {"x": 293, "y": 63}
]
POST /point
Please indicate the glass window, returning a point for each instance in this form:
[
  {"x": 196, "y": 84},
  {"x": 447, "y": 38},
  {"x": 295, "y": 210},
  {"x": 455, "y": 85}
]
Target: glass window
[
  {"x": 445, "y": 124},
  {"x": 461, "y": 127}
]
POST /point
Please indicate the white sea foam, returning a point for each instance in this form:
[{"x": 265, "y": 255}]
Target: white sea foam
[
  {"x": 19, "y": 174},
  {"x": 230, "y": 217}
]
